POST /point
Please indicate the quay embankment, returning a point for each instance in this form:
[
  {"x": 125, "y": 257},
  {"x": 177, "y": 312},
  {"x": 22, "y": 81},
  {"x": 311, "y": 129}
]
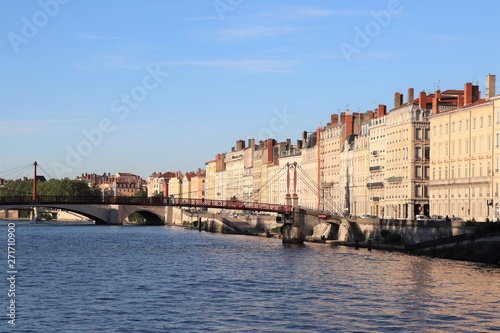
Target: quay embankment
[{"x": 457, "y": 240}]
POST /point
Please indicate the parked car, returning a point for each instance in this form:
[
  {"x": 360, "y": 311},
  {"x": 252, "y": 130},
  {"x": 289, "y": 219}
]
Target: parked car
[
  {"x": 421, "y": 218},
  {"x": 437, "y": 218}
]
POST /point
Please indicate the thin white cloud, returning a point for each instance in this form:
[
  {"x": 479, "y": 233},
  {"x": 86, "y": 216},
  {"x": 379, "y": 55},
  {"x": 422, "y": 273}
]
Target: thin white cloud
[
  {"x": 306, "y": 12},
  {"x": 34, "y": 126},
  {"x": 248, "y": 65},
  {"x": 96, "y": 37},
  {"x": 441, "y": 38},
  {"x": 254, "y": 32}
]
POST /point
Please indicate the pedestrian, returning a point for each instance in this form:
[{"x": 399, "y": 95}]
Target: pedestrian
[{"x": 447, "y": 218}]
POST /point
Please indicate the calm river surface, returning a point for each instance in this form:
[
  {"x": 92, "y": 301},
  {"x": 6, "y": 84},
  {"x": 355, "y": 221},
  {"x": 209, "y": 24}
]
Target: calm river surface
[{"x": 85, "y": 278}]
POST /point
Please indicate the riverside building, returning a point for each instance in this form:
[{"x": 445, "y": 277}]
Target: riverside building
[{"x": 465, "y": 153}]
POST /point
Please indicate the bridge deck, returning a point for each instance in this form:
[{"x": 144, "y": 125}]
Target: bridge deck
[{"x": 145, "y": 201}]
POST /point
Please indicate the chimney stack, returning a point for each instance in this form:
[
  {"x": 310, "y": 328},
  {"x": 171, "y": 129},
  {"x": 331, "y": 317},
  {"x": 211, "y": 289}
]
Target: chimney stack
[
  {"x": 342, "y": 118},
  {"x": 381, "y": 110},
  {"x": 334, "y": 119},
  {"x": 490, "y": 86},
  {"x": 422, "y": 103},
  {"x": 398, "y": 100},
  {"x": 435, "y": 102},
  {"x": 410, "y": 95},
  {"x": 476, "y": 94},
  {"x": 349, "y": 125},
  {"x": 467, "y": 93},
  {"x": 240, "y": 144}
]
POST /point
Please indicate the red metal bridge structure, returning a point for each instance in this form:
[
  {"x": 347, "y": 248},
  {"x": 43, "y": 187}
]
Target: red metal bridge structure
[{"x": 143, "y": 201}]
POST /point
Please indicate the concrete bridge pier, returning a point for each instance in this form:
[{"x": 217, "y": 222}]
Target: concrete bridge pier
[{"x": 295, "y": 231}]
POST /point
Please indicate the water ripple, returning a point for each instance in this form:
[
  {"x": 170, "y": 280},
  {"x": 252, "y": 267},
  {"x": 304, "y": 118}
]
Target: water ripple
[{"x": 162, "y": 279}]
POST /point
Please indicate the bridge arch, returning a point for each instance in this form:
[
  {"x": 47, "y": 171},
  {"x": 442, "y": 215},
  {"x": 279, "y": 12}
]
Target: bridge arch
[
  {"x": 150, "y": 218},
  {"x": 98, "y": 216}
]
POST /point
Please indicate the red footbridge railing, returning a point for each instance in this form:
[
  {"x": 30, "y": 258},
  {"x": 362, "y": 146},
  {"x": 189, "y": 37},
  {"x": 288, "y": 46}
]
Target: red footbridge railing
[{"x": 145, "y": 201}]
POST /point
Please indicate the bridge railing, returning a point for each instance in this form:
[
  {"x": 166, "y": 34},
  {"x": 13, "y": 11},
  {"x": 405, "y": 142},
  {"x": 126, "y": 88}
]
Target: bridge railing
[{"x": 147, "y": 201}]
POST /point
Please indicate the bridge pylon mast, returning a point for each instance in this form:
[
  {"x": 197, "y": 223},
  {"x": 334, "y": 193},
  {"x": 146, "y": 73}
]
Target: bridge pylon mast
[{"x": 34, "y": 181}]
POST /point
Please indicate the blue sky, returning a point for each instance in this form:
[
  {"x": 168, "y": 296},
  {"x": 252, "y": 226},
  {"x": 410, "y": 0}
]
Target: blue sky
[{"x": 145, "y": 86}]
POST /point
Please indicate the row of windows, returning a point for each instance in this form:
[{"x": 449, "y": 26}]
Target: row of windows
[
  {"x": 463, "y": 125},
  {"x": 478, "y": 145},
  {"x": 439, "y": 173}
]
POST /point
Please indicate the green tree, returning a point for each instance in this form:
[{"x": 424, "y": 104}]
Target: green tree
[
  {"x": 140, "y": 193},
  {"x": 63, "y": 187},
  {"x": 17, "y": 187}
]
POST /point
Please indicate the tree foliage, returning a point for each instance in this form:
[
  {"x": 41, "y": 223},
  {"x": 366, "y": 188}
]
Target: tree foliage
[
  {"x": 53, "y": 187},
  {"x": 140, "y": 194}
]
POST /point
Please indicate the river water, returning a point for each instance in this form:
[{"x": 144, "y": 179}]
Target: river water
[{"x": 86, "y": 278}]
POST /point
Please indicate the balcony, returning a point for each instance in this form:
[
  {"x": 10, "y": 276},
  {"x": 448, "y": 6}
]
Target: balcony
[
  {"x": 394, "y": 179},
  {"x": 375, "y": 168},
  {"x": 375, "y": 185}
]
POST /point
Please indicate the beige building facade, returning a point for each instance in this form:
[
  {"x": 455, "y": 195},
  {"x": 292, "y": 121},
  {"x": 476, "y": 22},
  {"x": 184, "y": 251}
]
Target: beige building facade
[{"x": 465, "y": 142}]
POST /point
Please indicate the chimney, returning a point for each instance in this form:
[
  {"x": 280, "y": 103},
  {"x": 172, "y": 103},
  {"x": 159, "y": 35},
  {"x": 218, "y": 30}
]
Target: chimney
[
  {"x": 251, "y": 143},
  {"x": 398, "y": 100},
  {"x": 349, "y": 125},
  {"x": 422, "y": 100},
  {"x": 342, "y": 118},
  {"x": 410, "y": 95},
  {"x": 435, "y": 102},
  {"x": 334, "y": 118},
  {"x": 467, "y": 93},
  {"x": 240, "y": 144},
  {"x": 299, "y": 144},
  {"x": 476, "y": 94},
  {"x": 490, "y": 86},
  {"x": 460, "y": 101},
  {"x": 381, "y": 110},
  {"x": 369, "y": 115},
  {"x": 304, "y": 136},
  {"x": 270, "y": 150}
]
